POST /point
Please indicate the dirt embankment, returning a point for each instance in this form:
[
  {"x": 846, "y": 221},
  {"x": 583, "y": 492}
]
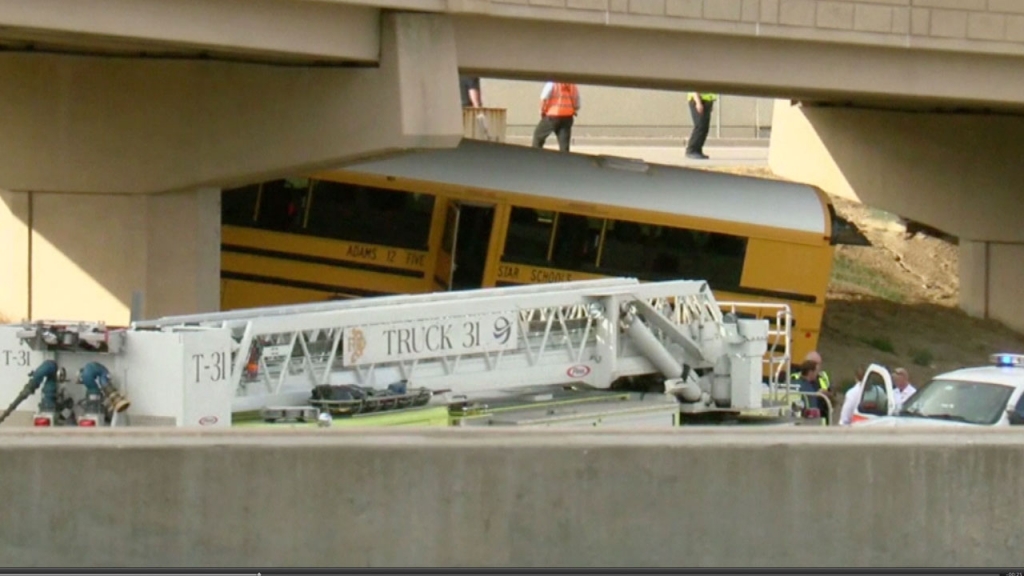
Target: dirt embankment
[{"x": 895, "y": 302}]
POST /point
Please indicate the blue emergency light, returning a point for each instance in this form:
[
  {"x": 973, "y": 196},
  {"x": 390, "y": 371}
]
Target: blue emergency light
[{"x": 1007, "y": 360}]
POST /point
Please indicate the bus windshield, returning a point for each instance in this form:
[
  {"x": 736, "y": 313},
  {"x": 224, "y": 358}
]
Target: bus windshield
[{"x": 971, "y": 402}]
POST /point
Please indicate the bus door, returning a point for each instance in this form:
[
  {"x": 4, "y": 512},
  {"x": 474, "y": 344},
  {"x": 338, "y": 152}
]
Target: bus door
[{"x": 464, "y": 244}]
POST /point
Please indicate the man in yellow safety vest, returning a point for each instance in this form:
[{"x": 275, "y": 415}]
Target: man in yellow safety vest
[
  {"x": 700, "y": 112},
  {"x": 824, "y": 386}
]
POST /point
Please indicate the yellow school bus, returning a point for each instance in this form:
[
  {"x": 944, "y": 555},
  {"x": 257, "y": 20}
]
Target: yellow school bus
[{"x": 490, "y": 214}]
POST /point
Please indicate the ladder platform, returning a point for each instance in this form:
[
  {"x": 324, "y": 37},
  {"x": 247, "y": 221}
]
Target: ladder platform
[{"x": 573, "y": 408}]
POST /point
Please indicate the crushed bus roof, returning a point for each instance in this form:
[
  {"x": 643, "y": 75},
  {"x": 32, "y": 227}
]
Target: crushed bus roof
[{"x": 612, "y": 182}]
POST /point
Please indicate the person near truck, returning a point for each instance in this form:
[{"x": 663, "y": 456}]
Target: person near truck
[
  {"x": 559, "y": 104},
  {"x": 807, "y": 381},
  {"x": 902, "y": 388},
  {"x": 823, "y": 385}
]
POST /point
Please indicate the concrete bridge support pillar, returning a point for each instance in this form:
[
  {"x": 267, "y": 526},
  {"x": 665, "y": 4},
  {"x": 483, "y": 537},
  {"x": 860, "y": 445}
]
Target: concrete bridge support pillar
[
  {"x": 81, "y": 256},
  {"x": 992, "y": 281},
  {"x": 111, "y": 164},
  {"x": 959, "y": 173}
]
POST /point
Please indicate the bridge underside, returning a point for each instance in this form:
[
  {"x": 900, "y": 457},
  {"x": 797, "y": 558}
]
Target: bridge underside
[
  {"x": 107, "y": 101},
  {"x": 958, "y": 172},
  {"x": 107, "y": 162}
]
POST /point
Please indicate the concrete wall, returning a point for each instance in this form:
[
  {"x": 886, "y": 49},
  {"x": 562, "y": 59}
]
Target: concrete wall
[
  {"x": 90, "y": 252},
  {"x": 612, "y": 115},
  {"x": 992, "y": 281},
  {"x": 520, "y": 498},
  {"x": 957, "y": 172},
  {"x": 14, "y": 256},
  {"x": 990, "y": 26},
  {"x": 317, "y": 28}
]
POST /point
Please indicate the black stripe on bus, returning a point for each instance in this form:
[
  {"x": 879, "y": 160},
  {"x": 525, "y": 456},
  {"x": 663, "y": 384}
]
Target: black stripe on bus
[
  {"x": 736, "y": 290},
  {"x": 298, "y": 284},
  {"x": 321, "y": 260},
  {"x": 778, "y": 294},
  {"x": 440, "y": 282}
]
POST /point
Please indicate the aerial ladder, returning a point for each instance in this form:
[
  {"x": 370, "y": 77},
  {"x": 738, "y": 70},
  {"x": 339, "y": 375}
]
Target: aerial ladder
[{"x": 466, "y": 349}]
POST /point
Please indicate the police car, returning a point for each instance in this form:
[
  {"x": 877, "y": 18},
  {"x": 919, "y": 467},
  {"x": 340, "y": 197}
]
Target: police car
[{"x": 991, "y": 395}]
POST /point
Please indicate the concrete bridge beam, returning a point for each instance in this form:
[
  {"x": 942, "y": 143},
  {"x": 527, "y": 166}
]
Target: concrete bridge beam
[
  {"x": 958, "y": 172},
  {"x": 129, "y": 125},
  {"x": 287, "y": 30}
]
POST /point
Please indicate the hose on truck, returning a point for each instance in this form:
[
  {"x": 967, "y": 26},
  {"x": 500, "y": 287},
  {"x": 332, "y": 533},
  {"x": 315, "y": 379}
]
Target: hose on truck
[{"x": 45, "y": 373}]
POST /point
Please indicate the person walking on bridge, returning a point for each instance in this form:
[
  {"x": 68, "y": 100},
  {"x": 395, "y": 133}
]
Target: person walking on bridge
[
  {"x": 559, "y": 104},
  {"x": 700, "y": 112},
  {"x": 469, "y": 86}
]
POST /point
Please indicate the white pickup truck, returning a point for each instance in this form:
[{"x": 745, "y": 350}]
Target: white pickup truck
[{"x": 991, "y": 395}]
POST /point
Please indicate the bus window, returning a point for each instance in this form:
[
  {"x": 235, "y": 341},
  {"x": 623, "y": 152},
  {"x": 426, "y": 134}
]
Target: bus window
[
  {"x": 692, "y": 254},
  {"x": 529, "y": 235},
  {"x": 282, "y": 204},
  {"x": 238, "y": 206},
  {"x": 371, "y": 215},
  {"x": 662, "y": 252},
  {"x": 623, "y": 250},
  {"x": 576, "y": 241}
]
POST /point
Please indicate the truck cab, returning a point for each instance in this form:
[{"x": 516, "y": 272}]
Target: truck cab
[{"x": 991, "y": 395}]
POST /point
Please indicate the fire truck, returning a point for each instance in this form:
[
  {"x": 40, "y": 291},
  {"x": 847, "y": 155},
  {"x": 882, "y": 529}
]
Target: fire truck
[{"x": 601, "y": 352}]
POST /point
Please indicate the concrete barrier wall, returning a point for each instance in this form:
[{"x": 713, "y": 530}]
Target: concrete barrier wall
[{"x": 447, "y": 498}]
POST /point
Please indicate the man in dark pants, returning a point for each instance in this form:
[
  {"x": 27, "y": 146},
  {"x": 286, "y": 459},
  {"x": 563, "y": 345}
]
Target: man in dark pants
[
  {"x": 700, "y": 112},
  {"x": 469, "y": 86},
  {"x": 559, "y": 104}
]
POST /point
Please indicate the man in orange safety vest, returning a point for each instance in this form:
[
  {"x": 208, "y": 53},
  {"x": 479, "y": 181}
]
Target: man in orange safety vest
[{"x": 559, "y": 104}]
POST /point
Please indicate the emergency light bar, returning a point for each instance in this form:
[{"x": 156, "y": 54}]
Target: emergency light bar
[{"x": 1007, "y": 360}]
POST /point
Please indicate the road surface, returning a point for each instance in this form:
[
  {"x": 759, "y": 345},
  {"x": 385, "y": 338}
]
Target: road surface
[{"x": 720, "y": 156}]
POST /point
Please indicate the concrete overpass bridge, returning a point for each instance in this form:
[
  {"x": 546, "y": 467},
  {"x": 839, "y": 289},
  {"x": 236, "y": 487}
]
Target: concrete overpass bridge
[{"x": 125, "y": 117}]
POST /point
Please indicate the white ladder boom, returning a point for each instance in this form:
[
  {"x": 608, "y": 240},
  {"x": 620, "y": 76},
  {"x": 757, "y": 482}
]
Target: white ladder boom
[{"x": 457, "y": 345}]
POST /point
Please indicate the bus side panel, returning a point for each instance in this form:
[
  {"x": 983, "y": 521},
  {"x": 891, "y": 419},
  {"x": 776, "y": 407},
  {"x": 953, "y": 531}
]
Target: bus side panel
[
  {"x": 786, "y": 267},
  {"x": 435, "y": 262},
  {"x": 445, "y": 265},
  {"x": 497, "y": 245},
  {"x": 284, "y": 245},
  {"x": 237, "y": 294},
  {"x": 265, "y": 268},
  {"x": 510, "y": 273},
  {"x": 807, "y": 330},
  {"x": 798, "y": 269},
  {"x": 319, "y": 277}
]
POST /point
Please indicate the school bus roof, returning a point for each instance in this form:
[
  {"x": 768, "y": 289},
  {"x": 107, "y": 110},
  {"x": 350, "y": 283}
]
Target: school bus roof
[{"x": 611, "y": 182}]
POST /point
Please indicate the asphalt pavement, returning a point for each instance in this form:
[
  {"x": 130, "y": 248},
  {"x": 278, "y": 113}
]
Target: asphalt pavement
[{"x": 676, "y": 156}]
